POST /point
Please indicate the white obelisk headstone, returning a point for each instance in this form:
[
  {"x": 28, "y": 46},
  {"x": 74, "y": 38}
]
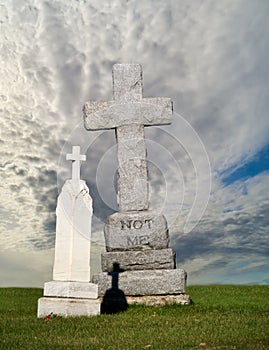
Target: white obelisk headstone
[
  {"x": 73, "y": 228},
  {"x": 71, "y": 293}
]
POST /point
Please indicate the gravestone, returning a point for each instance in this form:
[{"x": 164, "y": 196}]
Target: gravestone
[
  {"x": 136, "y": 237},
  {"x": 71, "y": 293}
]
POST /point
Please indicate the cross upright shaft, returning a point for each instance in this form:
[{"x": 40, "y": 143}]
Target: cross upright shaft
[
  {"x": 76, "y": 158},
  {"x": 128, "y": 113}
]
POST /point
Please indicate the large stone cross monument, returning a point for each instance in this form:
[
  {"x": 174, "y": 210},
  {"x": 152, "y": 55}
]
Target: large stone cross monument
[
  {"x": 128, "y": 113},
  {"x": 71, "y": 293},
  {"x": 136, "y": 237}
]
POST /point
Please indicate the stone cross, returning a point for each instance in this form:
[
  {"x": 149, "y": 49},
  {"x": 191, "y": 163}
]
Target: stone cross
[
  {"x": 128, "y": 113},
  {"x": 76, "y": 158}
]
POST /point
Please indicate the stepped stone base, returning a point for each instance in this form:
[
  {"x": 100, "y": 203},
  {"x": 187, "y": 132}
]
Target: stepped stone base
[
  {"x": 159, "y": 300},
  {"x": 68, "y": 307},
  {"x": 66, "y": 298},
  {"x": 144, "y": 282},
  {"x": 138, "y": 260},
  {"x": 81, "y": 290}
]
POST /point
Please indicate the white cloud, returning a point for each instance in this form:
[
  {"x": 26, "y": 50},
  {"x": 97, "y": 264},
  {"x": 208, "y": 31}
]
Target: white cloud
[
  {"x": 233, "y": 233},
  {"x": 210, "y": 57}
]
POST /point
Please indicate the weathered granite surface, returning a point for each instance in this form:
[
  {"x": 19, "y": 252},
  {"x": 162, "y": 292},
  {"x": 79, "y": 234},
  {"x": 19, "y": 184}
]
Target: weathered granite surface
[
  {"x": 129, "y": 112},
  {"x": 128, "y": 105},
  {"x": 101, "y": 115},
  {"x": 127, "y": 82},
  {"x": 143, "y": 282},
  {"x": 84, "y": 290},
  {"x": 139, "y": 260},
  {"x": 136, "y": 231},
  {"x": 68, "y": 307},
  {"x": 159, "y": 300},
  {"x": 132, "y": 168}
]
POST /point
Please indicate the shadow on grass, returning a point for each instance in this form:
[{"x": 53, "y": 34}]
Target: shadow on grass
[{"x": 114, "y": 300}]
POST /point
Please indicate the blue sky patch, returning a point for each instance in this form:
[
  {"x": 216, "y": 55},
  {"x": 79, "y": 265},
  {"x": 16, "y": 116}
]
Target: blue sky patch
[{"x": 256, "y": 165}]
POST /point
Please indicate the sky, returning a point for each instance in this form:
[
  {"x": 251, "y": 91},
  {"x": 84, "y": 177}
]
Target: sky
[{"x": 208, "y": 171}]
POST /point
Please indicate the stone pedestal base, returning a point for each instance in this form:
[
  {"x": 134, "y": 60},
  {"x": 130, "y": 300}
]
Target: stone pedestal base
[
  {"x": 139, "y": 260},
  {"x": 68, "y": 307},
  {"x": 66, "y": 298},
  {"x": 80, "y": 290},
  {"x": 143, "y": 282},
  {"x": 159, "y": 300}
]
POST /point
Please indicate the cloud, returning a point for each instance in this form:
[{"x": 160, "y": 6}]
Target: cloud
[
  {"x": 235, "y": 236},
  {"x": 209, "y": 57}
]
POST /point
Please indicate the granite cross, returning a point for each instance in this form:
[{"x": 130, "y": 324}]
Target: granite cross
[
  {"x": 128, "y": 113},
  {"x": 76, "y": 158}
]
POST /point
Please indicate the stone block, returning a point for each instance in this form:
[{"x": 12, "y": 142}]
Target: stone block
[
  {"x": 82, "y": 290},
  {"x": 139, "y": 260},
  {"x": 138, "y": 230},
  {"x": 144, "y": 282},
  {"x": 68, "y": 307},
  {"x": 159, "y": 300},
  {"x": 100, "y": 115}
]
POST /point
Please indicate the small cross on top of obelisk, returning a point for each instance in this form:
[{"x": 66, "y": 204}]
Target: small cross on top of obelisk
[
  {"x": 76, "y": 158},
  {"x": 128, "y": 113}
]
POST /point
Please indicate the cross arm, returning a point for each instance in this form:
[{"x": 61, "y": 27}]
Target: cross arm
[
  {"x": 70, "y": 157},
  {"x": 112, "y": 114},
  {"x": 157, "y": 111},
  {"x": 95, "y": 117}
]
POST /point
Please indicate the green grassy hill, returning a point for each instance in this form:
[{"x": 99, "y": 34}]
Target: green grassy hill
[{"x": 220, "y": 317}]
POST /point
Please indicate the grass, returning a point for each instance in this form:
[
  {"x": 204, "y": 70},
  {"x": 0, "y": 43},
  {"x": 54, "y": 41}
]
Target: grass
[{"x": 221, "y": 317}]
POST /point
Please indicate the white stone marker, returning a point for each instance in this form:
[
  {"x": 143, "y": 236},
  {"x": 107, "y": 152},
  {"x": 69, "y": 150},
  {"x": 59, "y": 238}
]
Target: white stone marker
[
  {"x": 70, "y": 293},
  {"x": 73, "y": 228}
]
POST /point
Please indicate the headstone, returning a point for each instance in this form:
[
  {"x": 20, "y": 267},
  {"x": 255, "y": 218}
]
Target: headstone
[
  {"x": 71, "y": 293},
  {"x": 136, "y": 237},
  {"x": 73, "y": 227}
]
